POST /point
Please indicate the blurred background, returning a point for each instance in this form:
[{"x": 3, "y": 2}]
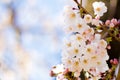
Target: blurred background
[
  {"x": 31, "y": 33},
  {"x": 30, "y": 38}
]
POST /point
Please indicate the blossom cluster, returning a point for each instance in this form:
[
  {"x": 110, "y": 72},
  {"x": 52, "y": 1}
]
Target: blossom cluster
[{"x": 84, "y": 50}]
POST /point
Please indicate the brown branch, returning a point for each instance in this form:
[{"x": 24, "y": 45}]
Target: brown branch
[{"x": 81, "y": 7}]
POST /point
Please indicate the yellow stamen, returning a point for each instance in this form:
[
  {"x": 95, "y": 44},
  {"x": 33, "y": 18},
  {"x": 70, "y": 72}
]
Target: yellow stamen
[
  {"x": 76, "y": 51},
  {"x": 98, "y": 9},
  {"x": 79, "y": 26},
  {"x": 85, "y": 61},
  {"x": 72, "y": 15}
]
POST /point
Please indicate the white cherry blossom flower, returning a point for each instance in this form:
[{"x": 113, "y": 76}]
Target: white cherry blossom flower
[
  {"x": 76, "y": 66},
  {"x": 58, "y": 69},
  {"x": 69, "y": 29},
  {"x": 69, "y": 15},
  {"x": 60, "y": 77},
  {"x": 102, "y": 43},
  {"x": 81, "y": 26},
  {"x": 88, "y": 18},
  {"x": 102, "y": 66},
  {"x": 76, "y": 74},
  {"x": 99, "y": 8},
  {"x": 90, "y": 50},
  {"x": 67, "y": 62},
  {"x": 67, "y": 43},
  {"x": 76, "y": 51},
  {"x": 78, "y": 39},
  {"x": 102, "y": 52},
  {"x": 86, "y": 63}
]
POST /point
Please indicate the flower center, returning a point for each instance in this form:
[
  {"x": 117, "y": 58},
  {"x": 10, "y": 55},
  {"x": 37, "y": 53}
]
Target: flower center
[
  {"x": 88, "y": 18},
  {"x": 70, "y": 28},
  {"x": 79, "y": 26},
  {"x": 69, "y": 62},
  {"x": 72, "y": 15},
  {"x": 69, "y": 44},
  {"x": 89, "y": 50},
  {"x": 76, "y": 51},
  {"x": 94, "y": 57},
  {"x": 98, "y": 9},
  {"x": 98, "y": 63},
  {"x": 79, "y": 38},
  {"x": 76, "y": 63},
  {"x": 85, "y": 61}
]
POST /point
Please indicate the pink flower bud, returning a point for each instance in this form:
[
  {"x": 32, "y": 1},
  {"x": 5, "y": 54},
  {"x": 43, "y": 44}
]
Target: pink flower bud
[
  {"x": 114, "y": 21},
  {"x": 66, "y": 71},
  {"x": 92, "y": 38},
  {"x": 97, "y": 17},
  {"x": 111, "y": 61},
  {"x": 78, "y": 78},
  {"x": 107, "y": 22},
  {"x": 115, "y": 61},
  {"x": 108, "y": 47},
  {"x": 52, "y": 73}
]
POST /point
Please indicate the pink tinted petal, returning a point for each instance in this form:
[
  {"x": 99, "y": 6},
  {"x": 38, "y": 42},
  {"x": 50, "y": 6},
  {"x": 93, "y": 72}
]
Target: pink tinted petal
[
  {"x": 114, "y": 21},
  {"x": 107, "y": 22}
]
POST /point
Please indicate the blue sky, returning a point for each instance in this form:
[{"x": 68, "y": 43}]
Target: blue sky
[{"x": 39, "y": 45}]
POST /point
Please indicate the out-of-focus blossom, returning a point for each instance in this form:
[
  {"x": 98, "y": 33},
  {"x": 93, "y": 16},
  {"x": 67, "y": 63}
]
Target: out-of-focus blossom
[{"x": 58, "y": 69}]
